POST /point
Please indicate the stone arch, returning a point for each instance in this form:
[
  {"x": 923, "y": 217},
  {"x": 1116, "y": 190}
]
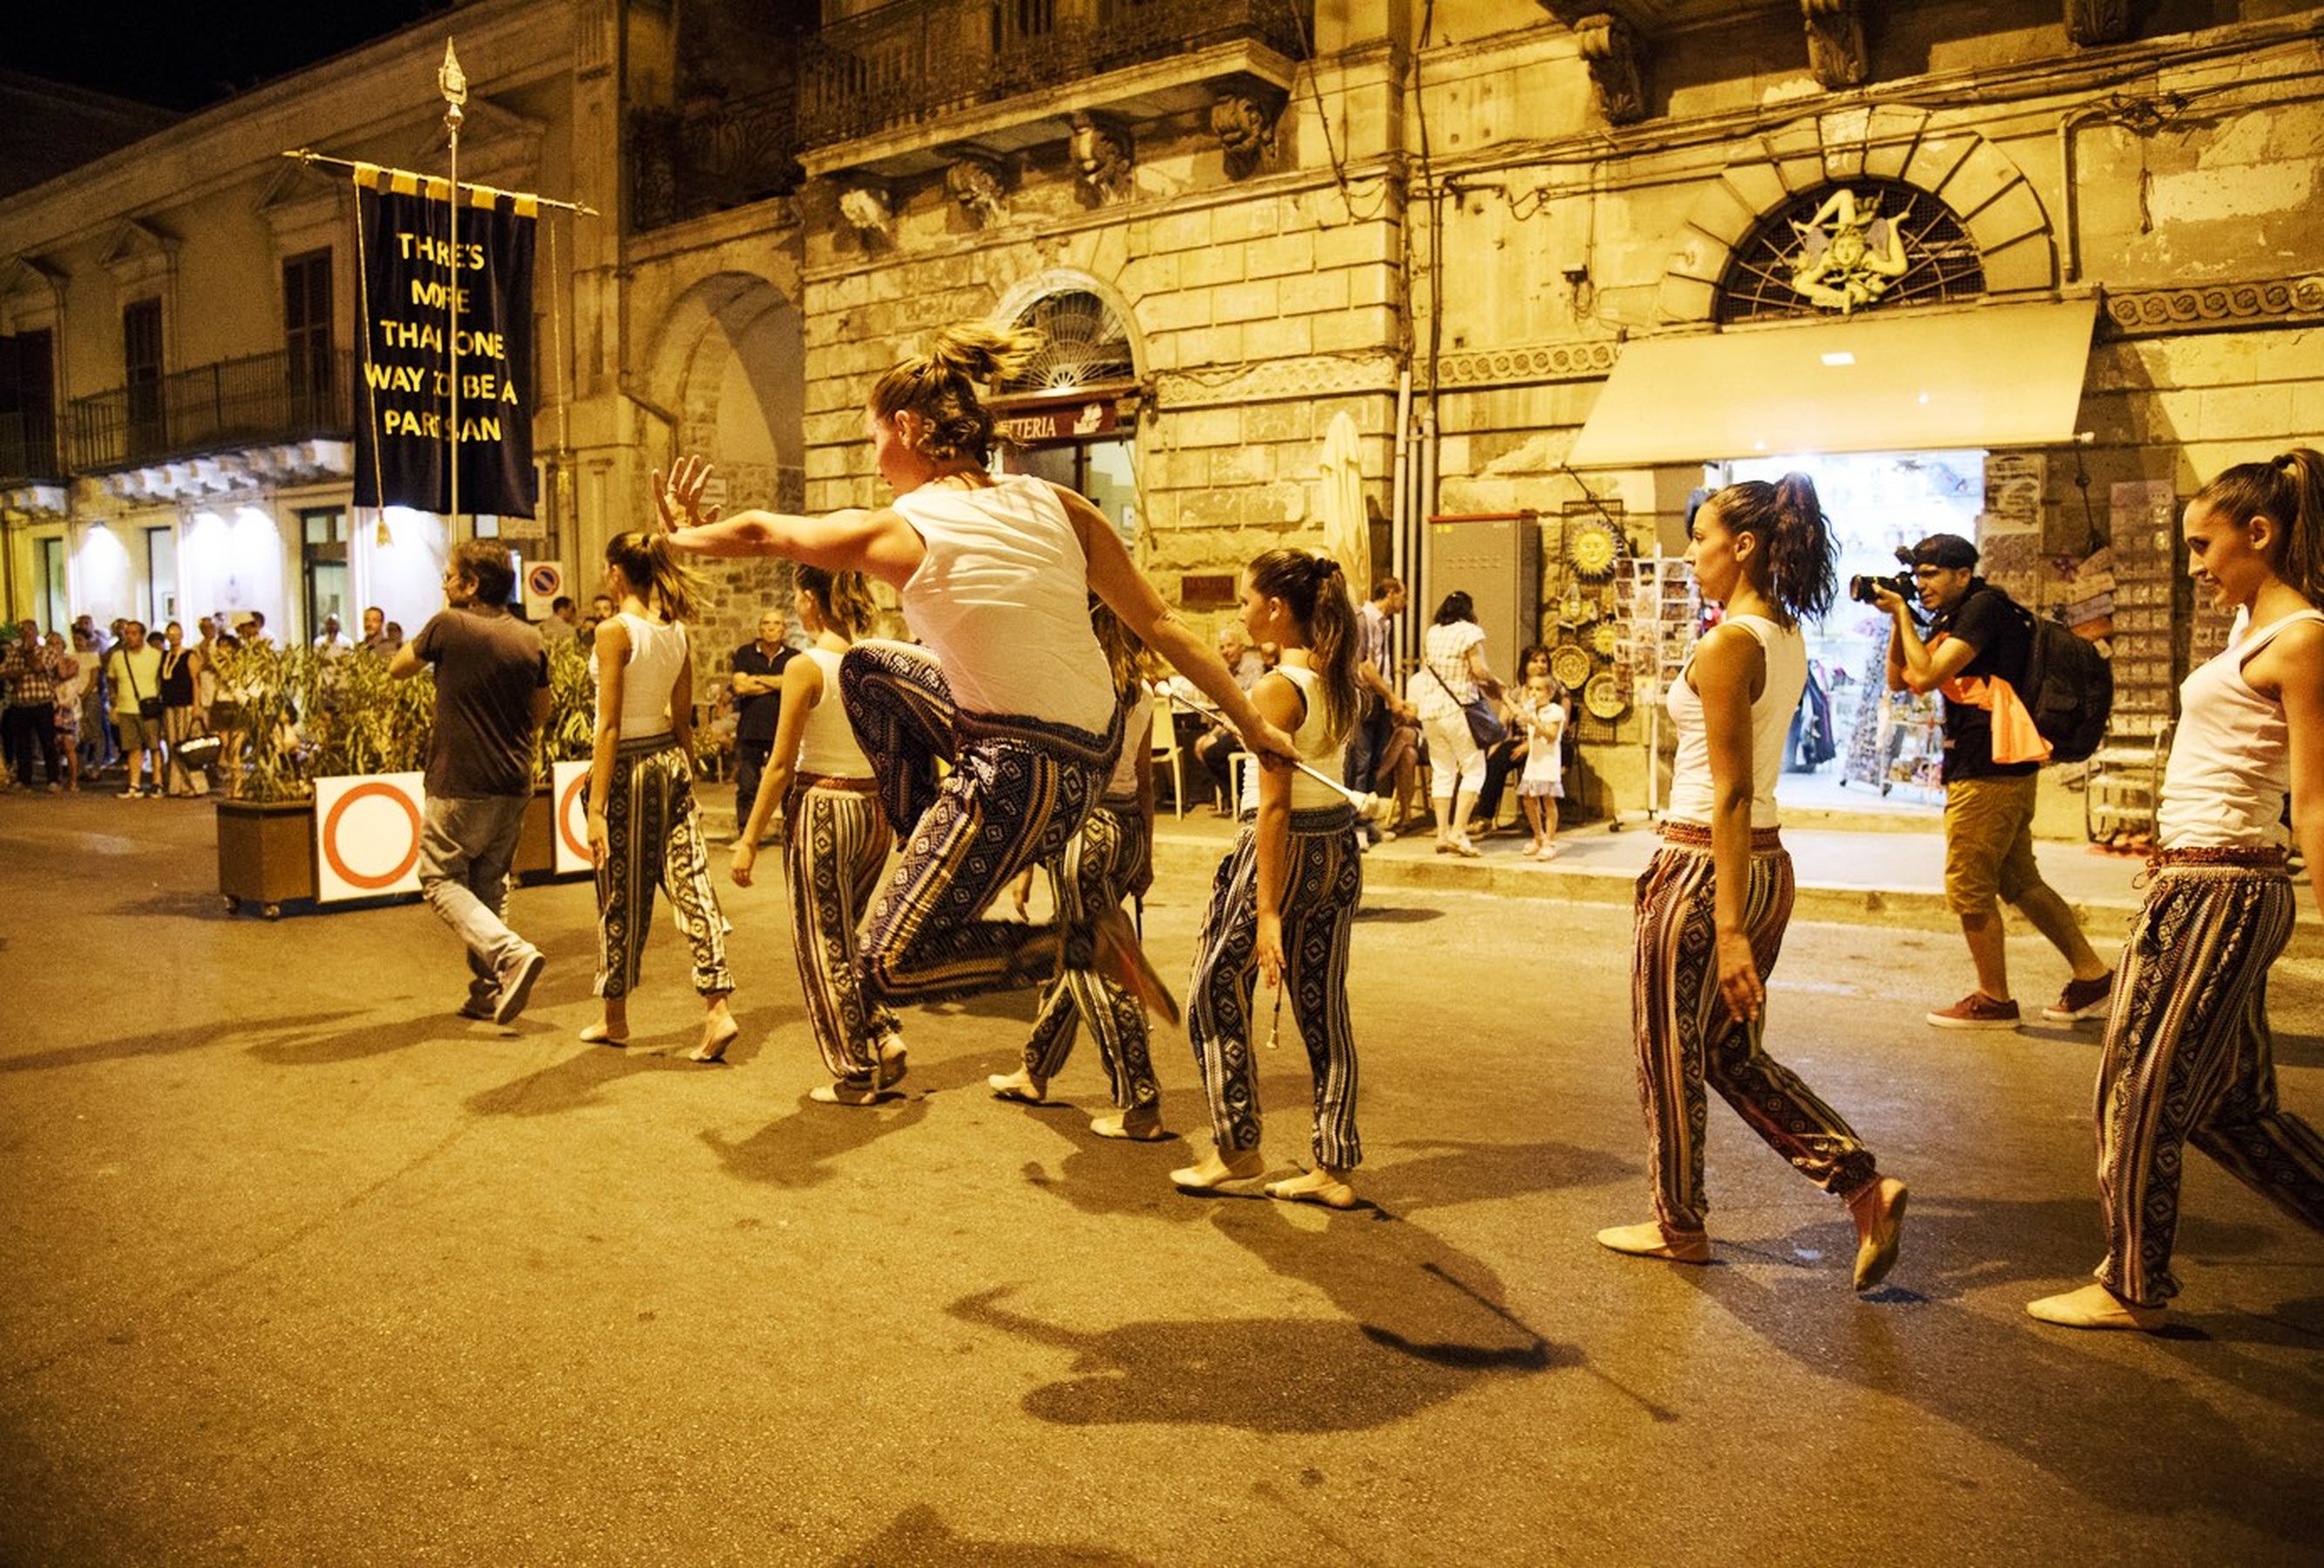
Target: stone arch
[
  {"x": 730, "y": 364},
  {"x": 1021, "y": 296},
  {"x": 1995, "y": 201}
]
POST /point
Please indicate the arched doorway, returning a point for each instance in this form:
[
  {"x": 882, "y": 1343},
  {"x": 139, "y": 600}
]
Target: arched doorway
[{"x": 1071, "y": 416}]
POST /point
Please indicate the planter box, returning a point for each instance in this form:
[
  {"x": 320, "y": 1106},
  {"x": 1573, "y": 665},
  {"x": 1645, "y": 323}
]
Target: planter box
[
  {"x": 536, "y": 847},
  {"x": 265, "y": 853}
]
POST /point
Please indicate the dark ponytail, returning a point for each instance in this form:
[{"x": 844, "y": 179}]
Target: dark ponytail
[
  {"x": 940, "y": 385},
  {"x": 2288, "y": 490},
  {"x": 1316, "y": 592},
  {"x": 844, "y": 599},
  {"x": 654, "y": 569},
  {"x": 1803, "y": 571}
]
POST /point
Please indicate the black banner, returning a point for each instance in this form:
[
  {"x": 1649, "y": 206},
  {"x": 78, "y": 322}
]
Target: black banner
[{"x": 405, "y": 433}]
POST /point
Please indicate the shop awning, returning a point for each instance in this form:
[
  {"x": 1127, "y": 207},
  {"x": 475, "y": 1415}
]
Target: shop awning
[{"x": 2002, "y": 375}]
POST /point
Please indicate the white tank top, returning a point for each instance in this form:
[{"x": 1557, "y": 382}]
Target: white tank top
[
  {"x": 1306, "y": 794},
  {"x": 1001, "y": 597},
  {"x": 1691, "y": 796},
  {"x": 656, "y": 649},
  {"x": 827, "y": 748},
  {"x": 2230, "y": 763},
  {"x": 1123, "y": 785}
]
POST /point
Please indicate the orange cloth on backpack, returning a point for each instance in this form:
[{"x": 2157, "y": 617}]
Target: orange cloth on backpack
[{"x": 2015, "y": 737}]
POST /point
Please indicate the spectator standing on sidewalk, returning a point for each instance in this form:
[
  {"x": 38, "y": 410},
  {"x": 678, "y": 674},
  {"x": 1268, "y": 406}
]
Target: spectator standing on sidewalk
[
  {"x": 180, "y": 706},
  {"x": 30, "y": 671},
  {"x": 134, "y": 671},
  {"x": 375, "y": 641},
  {"x": 1375, "y": 667},
  {"x": 492, "y": 695},
  {"x": 1979, "y": 634},
  {"x": 75, "y": 672},
  {"x": 758, "y": 706},
  {"x": 2188, "y": 1056}
]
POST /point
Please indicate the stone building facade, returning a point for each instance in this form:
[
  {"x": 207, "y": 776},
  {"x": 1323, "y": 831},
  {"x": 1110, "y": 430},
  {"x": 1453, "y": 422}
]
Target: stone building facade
[{"x": 1553, "y": 263}]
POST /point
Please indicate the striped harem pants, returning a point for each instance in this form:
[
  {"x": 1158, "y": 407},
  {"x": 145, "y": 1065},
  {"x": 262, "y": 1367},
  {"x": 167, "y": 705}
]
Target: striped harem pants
[
  {"x": 2189, "y": 1058},
  {"x": 653, "y": 837},
  {"x": 1687, "y": 1038},
  {"x": 1094, "y": 872},
  {"x": 1017, "y": 791},
  {"x": 835, "y": 847},
  {"x": 1322, "y": 883}
]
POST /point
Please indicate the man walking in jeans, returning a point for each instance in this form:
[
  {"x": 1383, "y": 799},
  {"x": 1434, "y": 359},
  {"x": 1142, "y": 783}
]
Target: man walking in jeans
[{"x": 491, "y": 695}]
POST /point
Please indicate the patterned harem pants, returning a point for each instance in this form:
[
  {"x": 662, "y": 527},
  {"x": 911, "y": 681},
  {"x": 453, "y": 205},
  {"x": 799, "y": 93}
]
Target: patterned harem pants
[
  {"x": 1687, "y": 1038},
  {"x": 834, "y": 847},
  {"x": 2189, "y": 1058},
  {"x": 1322, "y": 886},
  {"x": 1095, "y": 872},
  {"x": 653, "y": 837},
  {"x": 1017, "y": 793}
]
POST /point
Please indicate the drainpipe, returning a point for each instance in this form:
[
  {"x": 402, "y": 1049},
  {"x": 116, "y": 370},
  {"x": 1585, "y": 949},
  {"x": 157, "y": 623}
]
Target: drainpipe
[{"x": 2069, "y": 224}]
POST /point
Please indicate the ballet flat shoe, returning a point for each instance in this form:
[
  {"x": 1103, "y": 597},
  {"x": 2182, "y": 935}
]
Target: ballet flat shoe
[
  {"x": 2095, "y": 1306},
  {"x": 1651, "y": 1240},
  {"x": 1149, "y": 1129},
  {"x": 1876, "y": 1254}
]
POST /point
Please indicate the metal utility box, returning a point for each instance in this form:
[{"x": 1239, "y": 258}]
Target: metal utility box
[{"x": 1496, "y": 559}]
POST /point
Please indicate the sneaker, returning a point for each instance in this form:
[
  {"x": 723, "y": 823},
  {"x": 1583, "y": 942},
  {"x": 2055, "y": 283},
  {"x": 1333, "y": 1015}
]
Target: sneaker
[
  {"x": 1976, "y": 1010},
  {"x": 516, "y": 984},
  {"x": 2082, "y": 999},
  {"x": 475, "y": 1007},
  {"x": 131, "y": 794}
]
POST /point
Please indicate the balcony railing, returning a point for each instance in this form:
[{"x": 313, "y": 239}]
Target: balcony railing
[
  {"x": 235, "y": 403},
  {"x": 28, "y": 448},
  {"x": 917, "y": 59},
  {"x": 710, "y": 157}
]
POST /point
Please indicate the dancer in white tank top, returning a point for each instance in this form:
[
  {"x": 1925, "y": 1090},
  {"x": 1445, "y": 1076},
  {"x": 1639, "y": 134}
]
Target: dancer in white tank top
[
  {"x": 993, "y": 573},
  {"x": 1717, "y": 895},
  {"x": 2188, "y": 1055},
  {"x": 835, "y": 842}
]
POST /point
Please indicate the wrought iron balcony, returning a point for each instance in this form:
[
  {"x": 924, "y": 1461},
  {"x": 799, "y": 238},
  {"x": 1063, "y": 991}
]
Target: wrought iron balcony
[
  {"x": 919, "y": 60},
  {"x": 256, "y": 401},
  {"x": 28, "y": 448},
  {"x": 709, "y": 157}
]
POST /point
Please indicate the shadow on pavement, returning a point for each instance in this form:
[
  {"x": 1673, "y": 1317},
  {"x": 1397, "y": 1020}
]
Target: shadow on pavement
[
  {"x": 575, "y": 1081},
  {"x": 920, "y": 1535},
  {"x": 289, "y": 1035},
  {"x": 1456, "y": 1172},
  {"x": 1423, "y": 1321},
  {"x": 800, "y": 1150},
  {"x": 2146, "y": 1447},
  {"x": 1392, "y": 915}
]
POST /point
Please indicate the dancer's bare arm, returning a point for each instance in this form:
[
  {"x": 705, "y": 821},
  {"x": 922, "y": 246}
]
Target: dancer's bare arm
[
  {"x": 879, "y": 543},
  {"x": 1116, "y": 579},
  {"x": 612, "y": 648},
  {"x": 2293, "y": 664},
  {"x": 1727, "y": 665},
  {"x": 1279, "y": 700}
]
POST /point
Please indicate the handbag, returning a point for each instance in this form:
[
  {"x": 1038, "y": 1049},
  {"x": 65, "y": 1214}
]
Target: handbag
[
  {"x": 149, "y": 708},
  {"x": 1485, "y": 726}
]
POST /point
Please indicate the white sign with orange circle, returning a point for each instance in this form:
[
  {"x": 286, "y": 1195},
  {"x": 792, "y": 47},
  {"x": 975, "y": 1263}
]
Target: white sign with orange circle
[
  {"x": 367, "y": 836},
  {"x": 572, "y": 815}
]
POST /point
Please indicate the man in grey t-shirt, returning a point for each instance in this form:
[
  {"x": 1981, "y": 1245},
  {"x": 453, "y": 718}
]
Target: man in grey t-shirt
[{"x": 492, "y": 695}]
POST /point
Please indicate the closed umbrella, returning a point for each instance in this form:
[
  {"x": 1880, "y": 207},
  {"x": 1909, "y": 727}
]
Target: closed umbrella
[{"x": 1347, "y": 528}]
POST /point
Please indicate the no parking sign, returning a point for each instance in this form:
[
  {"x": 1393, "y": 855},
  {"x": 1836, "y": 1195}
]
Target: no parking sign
[
  {"x": 571, "y": 817},
  {"x": 367, "y": 836},
  {"x": 544, "y": 585}
]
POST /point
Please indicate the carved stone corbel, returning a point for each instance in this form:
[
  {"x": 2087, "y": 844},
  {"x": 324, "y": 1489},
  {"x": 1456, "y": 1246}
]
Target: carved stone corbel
[
  {"x": 1104, "y": 157},
  {"x": 974, "y": 180},
  {"x": 868, "y": 209},
  {"x": 1610, "y": 50},
  {"x": 1835, "y": 42},
  {"x": 2089, "y": 22},
  {"x": 1243, "y": 119}
]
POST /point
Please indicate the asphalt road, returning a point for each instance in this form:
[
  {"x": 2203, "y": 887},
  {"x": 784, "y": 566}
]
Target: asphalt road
[{"x": 298, "y": 1266}]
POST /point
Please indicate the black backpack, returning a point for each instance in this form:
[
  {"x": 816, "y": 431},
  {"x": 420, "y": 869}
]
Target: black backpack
[{"x": 2069, "y": 687}]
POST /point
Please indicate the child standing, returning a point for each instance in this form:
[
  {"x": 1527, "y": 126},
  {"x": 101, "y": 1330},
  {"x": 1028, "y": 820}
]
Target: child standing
[
  {"x": 1285, "y": 898},
  {"x": 1542, "y": 707}
]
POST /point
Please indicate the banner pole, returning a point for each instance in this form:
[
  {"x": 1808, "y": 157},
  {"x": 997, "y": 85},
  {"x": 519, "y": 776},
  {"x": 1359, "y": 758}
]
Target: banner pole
[{"x": 454, "y": 83}]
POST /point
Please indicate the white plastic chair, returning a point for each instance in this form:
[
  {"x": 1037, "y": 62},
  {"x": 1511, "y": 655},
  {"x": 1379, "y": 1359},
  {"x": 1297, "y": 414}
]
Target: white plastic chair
[{"x": 1168, "y": 752}]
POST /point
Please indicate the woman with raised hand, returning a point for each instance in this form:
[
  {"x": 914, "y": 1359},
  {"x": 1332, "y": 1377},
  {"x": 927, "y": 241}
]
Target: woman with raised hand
[
  {"x": 1282, "y": 903},
  {"x": 1716, "y": 896},
  {"x": 995, "y": 573},
  {"x": 644, "y": 827},
  {"x": 2188, "y": 1055},
  {"x": 835, "y": 840}
]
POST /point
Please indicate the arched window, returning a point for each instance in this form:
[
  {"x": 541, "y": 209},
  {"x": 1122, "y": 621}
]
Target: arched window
[
  {"x": 1088, "y": 346},
  {"x": 1850, "y": 245}
]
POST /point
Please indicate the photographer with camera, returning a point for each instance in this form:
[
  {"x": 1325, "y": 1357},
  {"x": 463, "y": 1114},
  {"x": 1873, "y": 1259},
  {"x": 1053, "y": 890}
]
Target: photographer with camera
[{"x": 1979, "y": 634}]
